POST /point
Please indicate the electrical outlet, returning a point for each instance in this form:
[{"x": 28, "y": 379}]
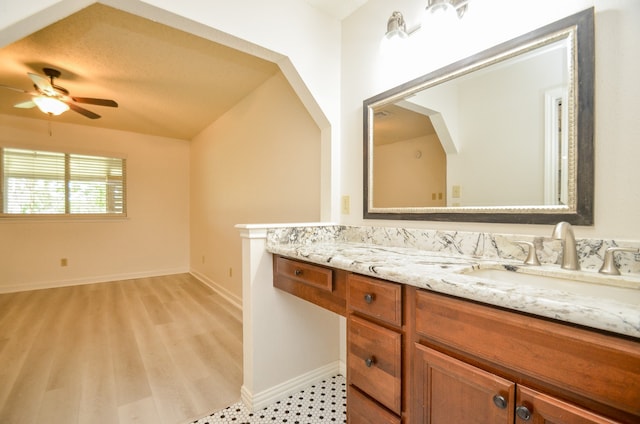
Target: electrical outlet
[
  {"x": 230, "y": 272},
  {"x": 64, "y": 262},
  {"x": 346, "y": 205},
  {"x": 455, "y": 191}
]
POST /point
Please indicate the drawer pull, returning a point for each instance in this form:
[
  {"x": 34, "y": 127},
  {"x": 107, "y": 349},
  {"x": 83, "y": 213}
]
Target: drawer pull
[
  {"x": 297, "y": 272},
  {"x": 368, "y": 298},
  {"x": 523, "y": 413},
  {"x": 370, "y": 361},
  {"x": 500, "y": 401}
]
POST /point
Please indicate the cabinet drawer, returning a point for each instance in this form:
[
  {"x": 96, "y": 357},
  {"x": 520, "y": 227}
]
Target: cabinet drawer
[
  {"x": 321, "y": 286},
  {"x": 362, "y": 410},
  {"x": 306, "y": 273},
  {"x": 574, "y": 361},
  {"x": 374, "y": 361},
  {"x": 378, "y": 299}
]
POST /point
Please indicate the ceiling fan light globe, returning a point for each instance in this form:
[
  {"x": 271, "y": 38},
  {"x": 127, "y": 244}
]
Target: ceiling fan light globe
[{"x": 50, "y": 105}]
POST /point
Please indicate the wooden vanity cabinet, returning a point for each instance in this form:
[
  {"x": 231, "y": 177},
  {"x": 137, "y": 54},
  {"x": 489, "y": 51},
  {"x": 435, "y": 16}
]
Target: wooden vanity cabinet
[
  {"x": 323, "y": 286},
  {"x": 479, "y": 364},
  {"x": 415, "y": 356},
  {"x": 375, "y": 343}
]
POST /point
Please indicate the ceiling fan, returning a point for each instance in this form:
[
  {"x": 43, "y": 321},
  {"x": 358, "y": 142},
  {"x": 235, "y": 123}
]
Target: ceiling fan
[{"x": 53, "y": 99}]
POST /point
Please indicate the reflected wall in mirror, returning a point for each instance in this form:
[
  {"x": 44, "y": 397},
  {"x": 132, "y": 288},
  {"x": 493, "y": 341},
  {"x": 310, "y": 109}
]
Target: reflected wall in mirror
[{"x": 503, "y": 136}]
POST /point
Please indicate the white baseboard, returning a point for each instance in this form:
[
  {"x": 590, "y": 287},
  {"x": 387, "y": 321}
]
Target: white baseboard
[
  {"x": 226, "y": 294},
  {"x": 38, "y": 285},
  {"x": 257, "y": 401}
]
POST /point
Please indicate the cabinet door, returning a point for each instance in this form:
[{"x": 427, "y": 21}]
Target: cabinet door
[
  {"x": 449, "y": 391},
  {"x": 537, "y": 408}
]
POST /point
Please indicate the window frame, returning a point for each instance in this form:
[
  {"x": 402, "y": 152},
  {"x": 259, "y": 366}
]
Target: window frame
[{"x": 68, "y": 180}]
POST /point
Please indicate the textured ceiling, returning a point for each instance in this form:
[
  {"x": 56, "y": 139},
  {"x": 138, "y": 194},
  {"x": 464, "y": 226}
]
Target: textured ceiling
[
  {"x": 394, "y": 123},
  {"x": 166, "y": 82}
]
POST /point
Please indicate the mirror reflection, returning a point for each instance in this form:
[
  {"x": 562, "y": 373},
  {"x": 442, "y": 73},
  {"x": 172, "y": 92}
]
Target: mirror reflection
[
  {"x": 497, "y": 134},
  {"x": 420, "y": 144}
]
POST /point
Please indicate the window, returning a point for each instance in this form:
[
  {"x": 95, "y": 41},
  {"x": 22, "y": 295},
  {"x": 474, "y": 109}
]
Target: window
[{"x": 50, "y": 183}]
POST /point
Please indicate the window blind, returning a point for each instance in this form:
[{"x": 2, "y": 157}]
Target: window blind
[{"x": 45, "y": 183}]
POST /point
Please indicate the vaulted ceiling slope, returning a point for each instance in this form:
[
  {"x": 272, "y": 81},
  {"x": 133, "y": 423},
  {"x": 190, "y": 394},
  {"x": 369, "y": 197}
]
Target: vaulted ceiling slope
[{"x": 167, "y": 82}]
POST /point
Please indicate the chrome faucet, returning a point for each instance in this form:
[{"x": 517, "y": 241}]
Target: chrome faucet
[{"x": 563, "y": 231}]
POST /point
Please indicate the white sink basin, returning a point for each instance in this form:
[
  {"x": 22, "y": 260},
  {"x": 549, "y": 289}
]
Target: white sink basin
[{"x": 580, "y": 283}]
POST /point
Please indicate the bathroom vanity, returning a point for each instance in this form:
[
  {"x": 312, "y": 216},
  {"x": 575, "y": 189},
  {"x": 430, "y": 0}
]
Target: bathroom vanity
[{"x": 429, "y": 341}]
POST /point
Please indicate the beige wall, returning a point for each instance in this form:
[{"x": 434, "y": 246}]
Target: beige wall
[
  {"x": 617, "y": 96},
  {"x": 259, "y": 163},
  {"x": 410, "y": 173},
  {"x": 152, "y": 240}
]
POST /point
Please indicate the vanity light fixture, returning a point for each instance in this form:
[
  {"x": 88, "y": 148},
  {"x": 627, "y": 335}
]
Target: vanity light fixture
[
  {"x": 50, "y": 105},
  {"x": 393, "y": 43},
  {"x": 396, "y": 27},
  {"x": 446, "y": 8}
]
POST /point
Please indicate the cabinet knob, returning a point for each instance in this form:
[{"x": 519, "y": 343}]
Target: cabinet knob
[
  {"x": 499, "y": 401},
  {"x": 370, "y": 361},
  {"x": 523, "y": 413},
  {"x": 368, "y": 298},
  {"x": 297, "y": 272}
]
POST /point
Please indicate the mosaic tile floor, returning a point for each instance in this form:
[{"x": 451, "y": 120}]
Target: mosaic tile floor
[{"x": 321, "y": 403}]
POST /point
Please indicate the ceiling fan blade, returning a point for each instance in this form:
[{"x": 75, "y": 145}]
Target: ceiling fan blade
[
  {"x": 8, "y": 87},
  {"x": 92, "y": 101},
  {"x": 25, "y": 105},
  {"x": 42, "y": 84},
  {"x": 83, "y": 111}
]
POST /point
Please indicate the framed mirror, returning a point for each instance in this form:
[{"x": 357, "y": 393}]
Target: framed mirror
[{"x": 503, "y": 136}]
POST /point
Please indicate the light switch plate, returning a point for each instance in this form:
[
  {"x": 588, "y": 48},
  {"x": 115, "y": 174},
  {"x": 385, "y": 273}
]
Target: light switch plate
[{"x": 345, "y": 205}]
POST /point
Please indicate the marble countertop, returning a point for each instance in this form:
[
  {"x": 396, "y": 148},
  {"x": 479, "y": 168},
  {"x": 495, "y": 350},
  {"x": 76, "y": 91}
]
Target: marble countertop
[{"x": 613, "y": 309}]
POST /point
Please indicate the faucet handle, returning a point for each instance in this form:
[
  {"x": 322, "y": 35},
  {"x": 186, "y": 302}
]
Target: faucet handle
[
  {"x": 532, "y": 256},
  {"x": 609, "y": 265}
]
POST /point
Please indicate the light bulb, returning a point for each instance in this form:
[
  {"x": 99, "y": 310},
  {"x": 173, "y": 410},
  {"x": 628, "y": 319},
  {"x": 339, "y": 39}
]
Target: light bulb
[{"x": 50, "y": 105}]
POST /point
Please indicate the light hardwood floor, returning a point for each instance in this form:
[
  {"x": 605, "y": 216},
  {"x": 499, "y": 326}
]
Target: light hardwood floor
[{"x": 151, "y": 350}]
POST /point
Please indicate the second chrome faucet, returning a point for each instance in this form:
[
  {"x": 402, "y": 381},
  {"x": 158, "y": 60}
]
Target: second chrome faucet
[{"x": 564, "y": 231}]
